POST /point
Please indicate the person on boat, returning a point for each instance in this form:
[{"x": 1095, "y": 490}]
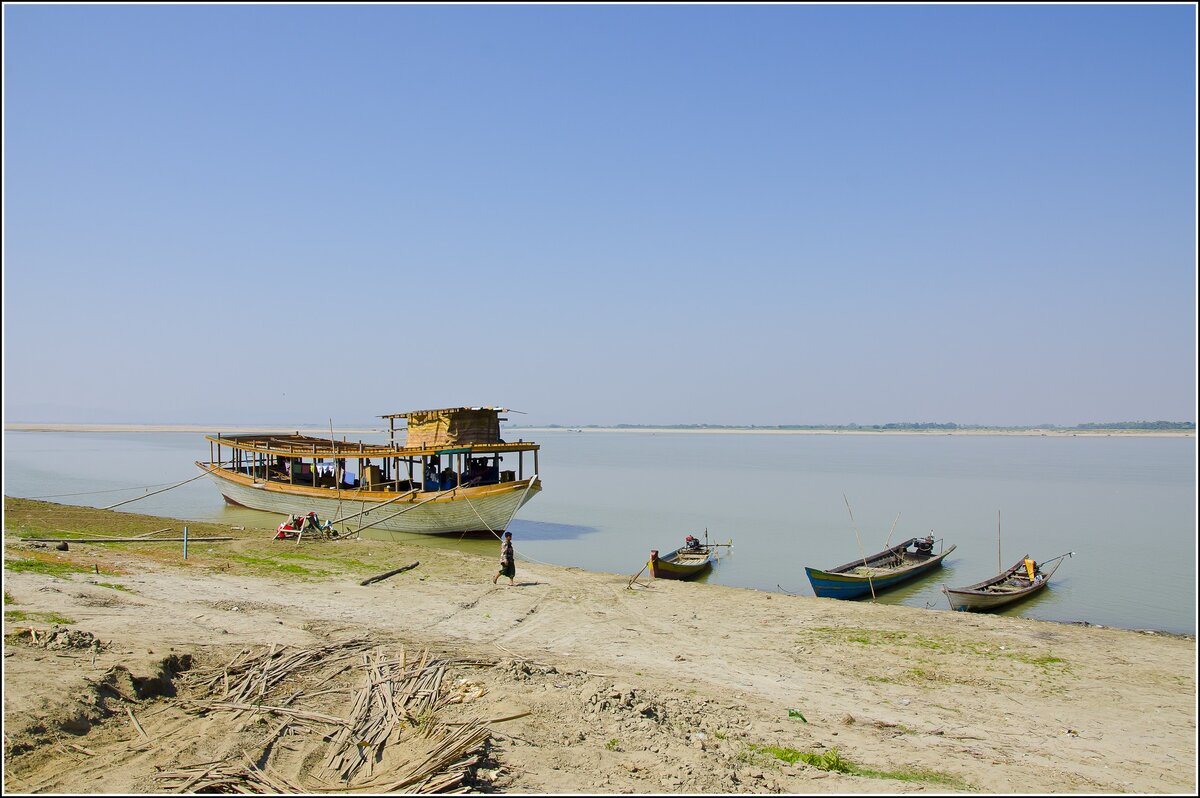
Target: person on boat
[
  {"x": 431, "y": 475},
  {"x": 508, "y": 566},
  {"x": 691, "y": 542},
  {"x": 925, "y": 546},
  {"x": 1031, "y": 568},
  {"x": 448, "y": 478}
]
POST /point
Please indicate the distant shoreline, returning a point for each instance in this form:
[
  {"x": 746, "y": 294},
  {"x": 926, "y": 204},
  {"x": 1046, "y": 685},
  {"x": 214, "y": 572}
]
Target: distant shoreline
[
  {"x": 1055, "y": 433},
  {"x": 317, "y": 432}
]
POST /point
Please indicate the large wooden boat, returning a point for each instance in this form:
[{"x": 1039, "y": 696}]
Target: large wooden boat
[
  {"x": 451, "y": 474},
  {"x": 1015, "y": 584},
  {"x": 686, "y": 562},
  {"x": 877, "y": 572}
]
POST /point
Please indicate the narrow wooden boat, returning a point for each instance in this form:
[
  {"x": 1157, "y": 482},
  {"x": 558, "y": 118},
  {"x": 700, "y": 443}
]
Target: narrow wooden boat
[
  {"x": 686, "y": 562},
  {"x": 449, "y": 474},
  {"x": 1007, "y": 588},
  {"x": 879, "y": 572}
]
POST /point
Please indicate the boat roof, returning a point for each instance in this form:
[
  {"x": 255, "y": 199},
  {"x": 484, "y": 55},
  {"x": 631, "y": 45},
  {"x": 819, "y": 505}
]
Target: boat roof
[
  {"x": 444, "y": 411},
  {"x": 298, "y": 445}
]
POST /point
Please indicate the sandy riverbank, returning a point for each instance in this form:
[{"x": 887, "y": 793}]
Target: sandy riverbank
[{"x": 676, "y": 687}]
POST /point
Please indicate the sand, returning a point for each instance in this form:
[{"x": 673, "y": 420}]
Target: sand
[{"x": 674, "y": 687}]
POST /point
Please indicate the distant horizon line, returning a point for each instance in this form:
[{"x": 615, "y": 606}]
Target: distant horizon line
[{"x": 368, "y": 427}]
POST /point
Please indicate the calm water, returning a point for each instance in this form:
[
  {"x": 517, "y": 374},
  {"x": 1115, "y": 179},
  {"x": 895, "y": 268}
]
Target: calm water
[{"x": 1125, "y": 506}]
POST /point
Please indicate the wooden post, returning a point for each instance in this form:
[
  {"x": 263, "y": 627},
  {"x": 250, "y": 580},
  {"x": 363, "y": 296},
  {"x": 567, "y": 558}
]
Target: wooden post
[{"x": 185, "y": 542}]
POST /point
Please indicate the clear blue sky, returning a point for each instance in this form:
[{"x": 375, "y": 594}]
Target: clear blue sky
[{"x": 600, "y": 214}]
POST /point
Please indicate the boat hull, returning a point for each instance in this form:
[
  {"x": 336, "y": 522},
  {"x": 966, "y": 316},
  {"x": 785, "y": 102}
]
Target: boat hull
[
  {"x": 482, "y": 509},
  {"x": 677, "y": 566},
  {"x": 974, "y": 602},
  {"x": 831, "y": 584},
  {"x": 983, "y": 597}
]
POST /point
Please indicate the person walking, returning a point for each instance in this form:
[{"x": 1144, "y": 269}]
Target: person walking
[{"x": 508, "y": 566}]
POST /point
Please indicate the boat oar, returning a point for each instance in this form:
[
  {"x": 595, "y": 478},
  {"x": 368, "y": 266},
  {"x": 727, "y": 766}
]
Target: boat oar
[{"x": 870, "y": 581}]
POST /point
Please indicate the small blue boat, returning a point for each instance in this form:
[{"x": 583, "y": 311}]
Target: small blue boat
[{"x": 878, "y": 572}]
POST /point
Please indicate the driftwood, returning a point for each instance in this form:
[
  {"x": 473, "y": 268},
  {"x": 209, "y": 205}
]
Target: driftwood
[{"x": 383, "y": 576}]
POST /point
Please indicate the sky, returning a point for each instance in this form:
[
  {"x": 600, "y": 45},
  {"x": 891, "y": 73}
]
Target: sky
[{"x": 600, "y": 214}]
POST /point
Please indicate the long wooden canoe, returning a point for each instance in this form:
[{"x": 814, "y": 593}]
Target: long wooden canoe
[
  {"x": 683, "y": 563},
  {"x": 881, "y": 571},
  {"x": 1001, "y": 590}
]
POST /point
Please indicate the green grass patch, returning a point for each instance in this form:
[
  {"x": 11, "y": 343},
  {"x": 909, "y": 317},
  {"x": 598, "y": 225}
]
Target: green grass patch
[
  {"x": 613, "y": 744},
  {"x": 270, "y": 565},
  {"x": 17, "y": 616},
  {"x": 925, "y": 775},
  {"x": 46, "y": 567},
  {"x": 833, "y": 761},
  {"x": 8, "y": 598},
  {"x": 1042, "y": 661},
  {"x": 114, "y": 586},
  {"x": 881, "y": 637}
]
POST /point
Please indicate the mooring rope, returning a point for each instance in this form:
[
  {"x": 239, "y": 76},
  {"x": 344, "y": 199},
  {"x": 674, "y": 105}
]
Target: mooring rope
[
  {"x": 94, "y": 492},
  {"x": 496, "y": 535}
]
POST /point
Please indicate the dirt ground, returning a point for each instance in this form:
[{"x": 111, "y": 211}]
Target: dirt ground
[{"x": 586, "y": 685}]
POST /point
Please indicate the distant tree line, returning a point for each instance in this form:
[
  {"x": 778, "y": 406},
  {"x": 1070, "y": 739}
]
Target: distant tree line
[
  {"x": 1140, "y": 425},
  {"x": 902, "y": 425}
]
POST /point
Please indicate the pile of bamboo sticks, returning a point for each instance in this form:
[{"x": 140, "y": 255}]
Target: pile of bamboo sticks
[
  {"x": 226, "y": 776},
  {"x": 398, "y": 702},
  {"x": 248, "y": 678}
]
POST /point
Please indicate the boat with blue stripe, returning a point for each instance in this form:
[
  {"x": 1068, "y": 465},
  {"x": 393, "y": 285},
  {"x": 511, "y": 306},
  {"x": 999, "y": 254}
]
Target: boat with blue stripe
[{"x": 873, "y": 574}]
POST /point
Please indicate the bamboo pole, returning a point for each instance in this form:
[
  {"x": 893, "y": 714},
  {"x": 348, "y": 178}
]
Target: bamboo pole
[
  {"x": 999, "y": 556},
  {"x": 870, "y": 581},
  {"x": 122, "y": 540},
  {"x": 139, "y": 498},
  {"x": 406, "y": 509},
  {"x": 888, "y": 545},
  {"x": 375, "y": 507}
]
